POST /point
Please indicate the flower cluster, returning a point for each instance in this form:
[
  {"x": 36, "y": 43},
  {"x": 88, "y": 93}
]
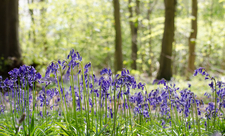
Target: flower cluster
[{"x": 86, "y": 91}]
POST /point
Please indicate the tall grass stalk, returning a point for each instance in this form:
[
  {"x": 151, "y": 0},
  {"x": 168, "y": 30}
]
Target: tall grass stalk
[
  {"x": 74, "y": 100},
  {"x": 100, "y": 106},
  {"x": 124, "y": 112},
  {"x": 86, "y": 103},
  {"x": 64, "y": 96},
  {"x": 33, "y": 108},
  {"x": 215, "y": 112},
  {"x": 61, "y": 100},
  {"x": 196, "y": 114},
  {"x": 130, "y": 121},
  {"x": 88, "y": 110},
  {"x": 193, "y": 118},
  {"x": 15, "y": 100},
  {"x": 80, "y": 95},
  {"x": 106, "y": 108},
  {"x": 171, "y": 112},
  {"x": 11, "y": 110},
  {"x": 92, "y": 98},
  {"x": 114, "y": 109}
]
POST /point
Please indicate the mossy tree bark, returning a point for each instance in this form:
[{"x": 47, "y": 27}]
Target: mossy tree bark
[
  {"x": 118, "y": 61},
  {"x": 165, "y": 69},
  {"x": 10, "y": 51},
  {"x": 32, "y": 33},
  {"x": 193, "y": 36},
  {"x": 134, "y": 32},
  {"x": 151, "y": 6}
]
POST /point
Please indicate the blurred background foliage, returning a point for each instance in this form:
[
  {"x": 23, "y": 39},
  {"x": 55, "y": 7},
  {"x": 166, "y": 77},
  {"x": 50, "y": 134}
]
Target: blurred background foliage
[{"x": 49, "y": 29}]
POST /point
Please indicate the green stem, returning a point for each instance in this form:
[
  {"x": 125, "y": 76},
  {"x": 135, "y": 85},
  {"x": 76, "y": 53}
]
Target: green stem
[
  {"x": 124, "y": 105},
  {"x": 61, "y": 100},
  {"x": 114, "y": 116},
  {"x": 86, "y": 103},
  {"x": 88, "y": 116},
  {"x": 129, "y": 114},
  {"x": 196, "y": 114},
  {"x": 92, "y": 98},
  {"x": 74, "y": 100},
  {"x": 78, "y": 80},
  {"x": 171, "y": 113},
  {"x": 100, "y": 103},
  {"x": 11, "y": 110},
  {"x": 96, "y": 106},
  {"x": 106, "y": 108},
  {"x": 65, "y": 104},
  {"x": 215, "y": 94},
  {"x": 193, "y": 118}
]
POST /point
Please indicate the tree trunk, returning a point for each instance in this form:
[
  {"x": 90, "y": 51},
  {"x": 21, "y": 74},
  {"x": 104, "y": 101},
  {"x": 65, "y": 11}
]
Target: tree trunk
[
  {"x": 223, "y": 52},
  {"x": 209, "y": 52},
  {"x": 165, "y": 70},
  {"x": 193, "y": 36},
  {"x": 32, "y": 34},
  {"x": 43, "y": 27},
  {"x": 134, "y": 34},
  {"x": 118, "y": 61},
  {"x": 10, "y": 52},
  {"x": 4, "y": 29},
  {"x": 149, "y": 12}
]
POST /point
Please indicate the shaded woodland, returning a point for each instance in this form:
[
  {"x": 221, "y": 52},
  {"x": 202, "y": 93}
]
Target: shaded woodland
[
  {"x": 112, "y": 67},
  {"x": 161, "y": 38}
]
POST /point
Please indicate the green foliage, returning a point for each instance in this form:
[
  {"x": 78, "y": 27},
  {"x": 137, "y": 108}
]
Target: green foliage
[{"x": 87, "y": 26}]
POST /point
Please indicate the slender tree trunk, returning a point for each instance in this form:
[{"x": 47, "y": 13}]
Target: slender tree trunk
[
  {"x": 4, "y": 29},
  {"x": 32, "y": 33},
  {"x": 150, "y": 8},
  {"x": 134, "y": 33},
  {"x": 223, "y": 52},
  {"x": 193, "y": 36},
  {"x": 150, "y": 39},
  {"x": 10, "y": 52},
  {"x": 210, "y": 36},
  {"x": 43, "y": 28},
  {"x": 14, "y": 48},
  {"x": 118, "y": 61},
  {"x": 165, "y": 69}
]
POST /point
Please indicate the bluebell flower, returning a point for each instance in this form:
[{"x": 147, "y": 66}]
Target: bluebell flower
[
  {"x": 211, "y": 85},
  {"x": 145, "y": 113},
  {"x": 189, "y": 85},
  {"x": 88, "y": 65},
  {"x": 141, "y": 86},
  {"x": 41, "y": 114},
  {"x": 163, "y": 123},
  {"x": 136, "y": 110},
  {"x": 104, "y": 71},
  {"x": 199, "y": 112},
  {"x": 111, "y": 113},
  {"x": 139, "y": 98},
  {"x": 120, "y": 81},
  {"x": 162, "y": 81},
  {"x": 200, "y": 70}
]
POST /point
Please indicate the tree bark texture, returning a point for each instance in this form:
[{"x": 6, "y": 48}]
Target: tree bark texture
[
  {"x": 193, "y": 36},
  {"x": 165, "y": 69},
  {"x": 134, "y": 33},
  {"x": 118, "y": 61},
  {"x": 4, "y": 29},
  {"x": 32, "y": 33},
  {"x": 44, "y": 28},
  {"x": 149, "y": 12},
  {"x": 10, "y": 51}
]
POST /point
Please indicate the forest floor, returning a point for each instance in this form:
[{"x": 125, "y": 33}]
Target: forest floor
[{"x": 198, "y": 84}]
